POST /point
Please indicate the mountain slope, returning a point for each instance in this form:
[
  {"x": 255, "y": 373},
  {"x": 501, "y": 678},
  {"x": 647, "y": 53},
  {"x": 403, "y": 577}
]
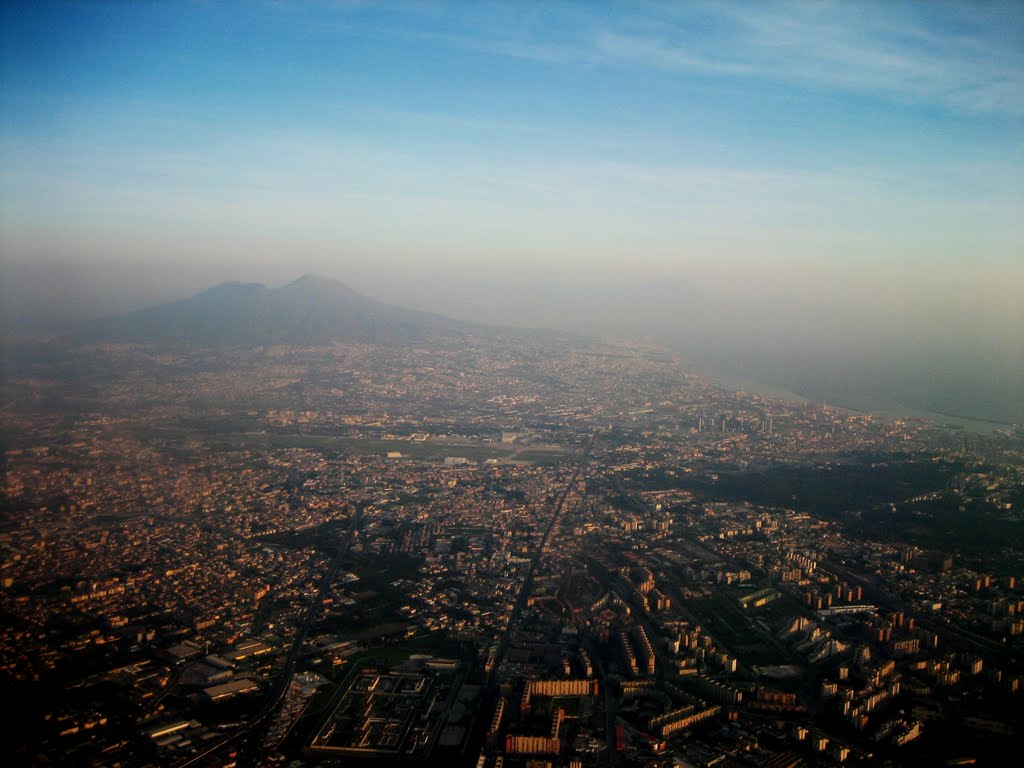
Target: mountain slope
[{"x": 310, "y": 310}]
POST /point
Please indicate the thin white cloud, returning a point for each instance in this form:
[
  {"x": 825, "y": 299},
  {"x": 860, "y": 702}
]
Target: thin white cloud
[
  {"x": 962, "y": 57},
  {"x": 888, "y": 50},
  {"x": 658, "y": 52}
]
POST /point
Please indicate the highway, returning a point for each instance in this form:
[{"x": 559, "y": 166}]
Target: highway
[{"x": 524, "y": 591}]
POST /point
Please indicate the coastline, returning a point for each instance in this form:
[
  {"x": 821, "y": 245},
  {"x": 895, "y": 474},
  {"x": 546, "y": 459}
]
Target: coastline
[{"x": 889, "y": 413}]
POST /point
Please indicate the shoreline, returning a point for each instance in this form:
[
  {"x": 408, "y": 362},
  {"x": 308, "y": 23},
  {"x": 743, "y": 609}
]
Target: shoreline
[{"x": 889, "y": 413}]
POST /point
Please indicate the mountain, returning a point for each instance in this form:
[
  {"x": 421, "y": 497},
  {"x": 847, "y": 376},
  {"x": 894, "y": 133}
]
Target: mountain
[{"x": 311, "y": 310}]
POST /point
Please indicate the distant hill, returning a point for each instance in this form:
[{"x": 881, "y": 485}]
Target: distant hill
[{"x": 311, "y": 310}]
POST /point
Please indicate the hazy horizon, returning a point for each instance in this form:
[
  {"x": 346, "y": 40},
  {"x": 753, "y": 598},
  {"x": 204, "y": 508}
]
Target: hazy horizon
[
  {"x": 822, "y": 196},
  {"x": 953, "y": 360}
]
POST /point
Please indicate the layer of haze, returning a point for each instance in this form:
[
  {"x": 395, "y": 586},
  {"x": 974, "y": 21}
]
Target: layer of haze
[{"x": 824, "y": 197}]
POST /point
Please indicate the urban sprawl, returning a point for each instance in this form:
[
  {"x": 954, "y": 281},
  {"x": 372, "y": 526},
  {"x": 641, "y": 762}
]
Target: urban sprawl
[{"x": 515, "y": 551}]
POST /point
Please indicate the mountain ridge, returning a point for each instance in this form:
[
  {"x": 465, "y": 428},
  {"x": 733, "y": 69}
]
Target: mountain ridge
[{"x": 309, "y": 310}]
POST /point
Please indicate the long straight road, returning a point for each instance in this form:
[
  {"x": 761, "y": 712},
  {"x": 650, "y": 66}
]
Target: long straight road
[{"x": 527, "y": 585}]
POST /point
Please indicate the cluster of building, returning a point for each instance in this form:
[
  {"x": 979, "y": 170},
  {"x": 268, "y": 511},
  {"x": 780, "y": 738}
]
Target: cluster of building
[{"x": 613, "y": 560}]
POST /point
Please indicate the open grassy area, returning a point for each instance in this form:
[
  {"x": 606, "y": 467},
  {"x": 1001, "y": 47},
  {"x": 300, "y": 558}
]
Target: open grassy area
[
  {"x": 738, "y": 631},
  {"x": 425, "y": 450}
]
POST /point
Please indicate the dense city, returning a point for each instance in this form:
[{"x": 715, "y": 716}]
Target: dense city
[{"x": 500, "y": 550}]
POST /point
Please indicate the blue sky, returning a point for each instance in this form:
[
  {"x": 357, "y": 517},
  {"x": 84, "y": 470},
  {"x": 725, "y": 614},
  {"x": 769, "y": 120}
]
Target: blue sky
[{"x": 663, "y": 138}]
